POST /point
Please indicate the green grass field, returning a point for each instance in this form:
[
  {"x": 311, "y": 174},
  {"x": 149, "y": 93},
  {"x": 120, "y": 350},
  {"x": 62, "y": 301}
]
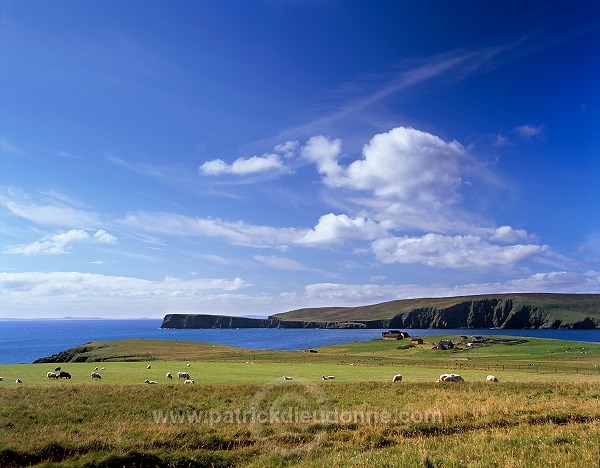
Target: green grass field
[{"x": 545, "y": 411}]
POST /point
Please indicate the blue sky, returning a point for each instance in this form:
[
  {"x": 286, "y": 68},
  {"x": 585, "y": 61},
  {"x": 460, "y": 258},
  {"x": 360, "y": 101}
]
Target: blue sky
[{"x": 258, "y": 156}]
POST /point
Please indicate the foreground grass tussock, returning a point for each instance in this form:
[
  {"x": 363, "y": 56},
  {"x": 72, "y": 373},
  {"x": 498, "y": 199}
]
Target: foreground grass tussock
[{"x": 303, "y": 423}]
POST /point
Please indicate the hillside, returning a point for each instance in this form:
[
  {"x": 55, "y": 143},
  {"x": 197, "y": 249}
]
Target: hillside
[
  {"x": 485, "y": 311},
  {"x": 510, "y": 311}
]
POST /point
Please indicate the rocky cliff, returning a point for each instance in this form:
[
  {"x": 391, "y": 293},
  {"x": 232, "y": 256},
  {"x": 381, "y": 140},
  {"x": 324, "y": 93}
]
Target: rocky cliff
[
  {"x": 224, "y": 321},
  {"x": 503, "y": 311}
]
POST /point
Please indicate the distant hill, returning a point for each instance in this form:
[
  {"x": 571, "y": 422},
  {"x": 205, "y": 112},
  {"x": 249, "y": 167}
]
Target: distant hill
[
  {"x": 580, "y": 311},
  {"x": 511, "y": 311}
]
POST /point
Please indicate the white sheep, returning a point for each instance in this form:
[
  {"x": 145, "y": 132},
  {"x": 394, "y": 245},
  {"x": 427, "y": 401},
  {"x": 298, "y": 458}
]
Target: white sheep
[
  {"x": 287, "y": 377},
  {"x": 169, "y": 375},
  {"x": 397, "y": 378},
  {"x": 491, "y": 378},
  {"x": 450, "y": 378},
  {"x": 52, "y": 375},
  {"x": 183, "y": 375},
  {"x": 95, "y": 375},
  {"x": 325, "y": 378},
  {"x": 96, "y": 369},
  {"x": 18, "y": 381},
  {"x": 152, "y": 382},
  {"x": 189, "y": 382},
  {"x": 188, "y": 364},
  {"x": 149, "y": 366}
]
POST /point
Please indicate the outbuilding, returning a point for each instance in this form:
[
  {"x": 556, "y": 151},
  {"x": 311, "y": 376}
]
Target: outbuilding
[
  {"x": 444, "y": 344},
  {"x": 394, "y": 335}
]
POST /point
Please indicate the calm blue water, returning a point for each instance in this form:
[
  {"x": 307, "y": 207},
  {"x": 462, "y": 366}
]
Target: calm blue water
[{"x": 24, "y": 341}]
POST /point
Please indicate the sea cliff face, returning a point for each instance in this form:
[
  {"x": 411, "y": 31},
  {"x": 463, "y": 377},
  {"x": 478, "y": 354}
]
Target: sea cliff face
[
  {"x": 224, "y": 321},
  {"x": 477, "y": 313}
]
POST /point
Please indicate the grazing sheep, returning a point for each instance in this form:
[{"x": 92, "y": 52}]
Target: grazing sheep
[
  {"x": 57, "y": 369},
  {"x": 64, "y": 375},
  {"x": 183, "y": 375},
  {"x": 331, "y": 377},
  {"x": 152, "y": 382},
  {"x": 149, "y": 366},
  {"x": 95, "y": 375},
  {"x": 491, "y": 378},
  {"x": 397, "y": 378},
  {"x": 103, "y": 368},
  {"x": 188, "y": 364},
  {"x": 1, "y": 379},
  {"x": 189, "y": 382},
  {"x": 450, "y": 378},
  {"x": 52, "y": 375},
  {"x": 287, "y": 377},
  {"x": 18, "y": 381},
  {"x": 169, "y": 375},
  {"x": 325, "y": 378},
  {"x": 95, "y": 369}
]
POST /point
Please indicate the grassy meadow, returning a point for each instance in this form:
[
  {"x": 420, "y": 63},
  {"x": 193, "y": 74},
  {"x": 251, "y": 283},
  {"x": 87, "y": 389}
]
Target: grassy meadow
[{"x": 545, "y": 411}]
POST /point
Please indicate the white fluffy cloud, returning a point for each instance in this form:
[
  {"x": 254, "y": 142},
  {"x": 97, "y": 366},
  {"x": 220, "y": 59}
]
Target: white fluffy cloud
[
  {"x": 509, "y": 235},
  {"x": 403, "y": 164},
  {"x": 56, "y": 244},
  {"x": 75, "y": 293},
  {"x": 336, "y": 228},
  {"x": 325, "y": 152},
  {"x": 453, "y": 251},
  {"x": 270, "y": 162}
]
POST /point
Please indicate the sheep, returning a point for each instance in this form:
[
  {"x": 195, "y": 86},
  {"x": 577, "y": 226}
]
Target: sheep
[
  {"x": 95, "y": 369},
  {"x": 149, "y": 366},
  {"x": 491, "y": 378},
  {"x": 57, "y": 369},
  {"x": 64, "y": 375},
  {"x": 188, "y": 364},
  {"x": 18, "y": 381},
  {"x": 397, "y": 378},
  {"x": 325, "y": 378},
  {"x": 153, "y": 382},
  {"x": 183, "y": 375},
  {"x": 95, "y": 375},
  {"x": 331, "y": 377},
  {"x": 287, "y": 377},
  {"x": 52, "y": 375},
  {"x": 103, "y": 368},
  {"x": 1, "y": 379},
  {"x": 169, "y": 375},
  {"x": 450, "y": 378},
  {"x": 189, "y": 382}
]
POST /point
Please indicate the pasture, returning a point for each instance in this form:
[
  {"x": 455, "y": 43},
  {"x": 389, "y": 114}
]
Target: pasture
[{"x": 240, "y": 411}]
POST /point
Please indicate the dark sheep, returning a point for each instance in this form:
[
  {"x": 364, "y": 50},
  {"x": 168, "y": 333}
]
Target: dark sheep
[{"x": 64, "y": 375}]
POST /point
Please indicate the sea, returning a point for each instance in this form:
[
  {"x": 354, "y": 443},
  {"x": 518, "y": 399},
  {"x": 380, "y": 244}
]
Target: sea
[{"x": 24, "y": 341}]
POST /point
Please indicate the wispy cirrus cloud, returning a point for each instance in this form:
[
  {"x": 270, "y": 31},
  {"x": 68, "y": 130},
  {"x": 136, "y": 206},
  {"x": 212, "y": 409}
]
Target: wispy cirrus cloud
[
  {"x": 529, "y": 131},
  {"x": 48, "y": 209},
  {"x": 236, "y": 232}
]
